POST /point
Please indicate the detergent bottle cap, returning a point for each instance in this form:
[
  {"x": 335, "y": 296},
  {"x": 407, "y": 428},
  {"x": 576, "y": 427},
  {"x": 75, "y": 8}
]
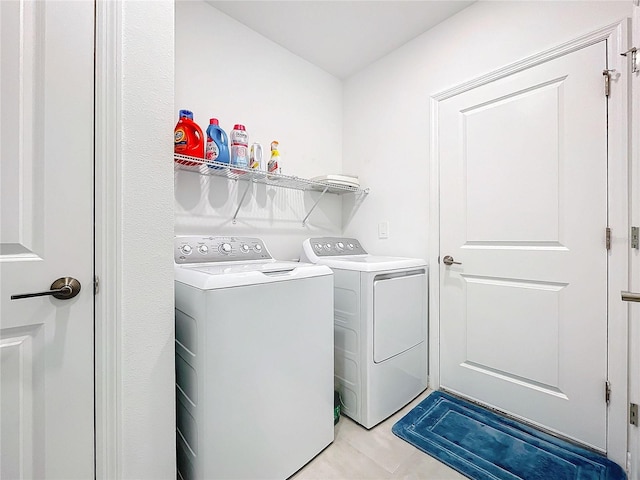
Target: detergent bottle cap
[
  {"x": 237, "y": 126},
  {"x": 213, "y": 121},
  {"x": 186, "y": 113}
]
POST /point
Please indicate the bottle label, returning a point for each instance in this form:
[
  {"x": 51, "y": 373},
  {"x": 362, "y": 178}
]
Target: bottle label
[
  {"x": 239, "y": 151},
  {"x": 212, "y": 151},
  {"x": 255, "y": 156},
  {"x": 239, "y": 137},
  {"x": 180, "y": 138},
  {"x": 239, "y": 156}
]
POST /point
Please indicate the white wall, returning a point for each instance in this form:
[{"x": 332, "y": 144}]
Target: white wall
[
  {"x": 227, "y": 71},
  {"x": 386, "y": 106},
  {"x": 278, "y": 96},
  {"x": 145, "y": 301}
]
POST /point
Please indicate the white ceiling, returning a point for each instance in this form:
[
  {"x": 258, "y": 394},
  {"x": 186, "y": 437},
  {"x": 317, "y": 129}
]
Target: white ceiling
[{"x": 340, "y": 36}]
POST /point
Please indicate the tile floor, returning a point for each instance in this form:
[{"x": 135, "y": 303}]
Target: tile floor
[{"x": 358, "y": 454}]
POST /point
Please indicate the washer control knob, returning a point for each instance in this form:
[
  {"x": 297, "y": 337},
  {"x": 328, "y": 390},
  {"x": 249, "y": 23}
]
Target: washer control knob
[
  {"x": 244, "y": 247},
  {"x": 203, "y": 249},
  {"x": 327, "y": 246},
  {"x": 257, "y": 247},
  {"x": 340, "y": 246},
  {"x": 318, "y": 246},
  {"x": 225, "y": 248},
  {"x": 350, "y": 246},
  {"x": 186, "y": 249}
]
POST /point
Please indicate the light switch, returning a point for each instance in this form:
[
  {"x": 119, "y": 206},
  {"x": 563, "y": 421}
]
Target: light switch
[{"x": 383, "y": 230}]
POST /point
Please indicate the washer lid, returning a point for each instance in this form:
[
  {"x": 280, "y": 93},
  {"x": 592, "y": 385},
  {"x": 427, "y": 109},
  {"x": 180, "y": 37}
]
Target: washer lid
[
  {"x": 371, "y": 263},
  {"x": 235, "y": 274},
  {"x": 347, "y": 254}
]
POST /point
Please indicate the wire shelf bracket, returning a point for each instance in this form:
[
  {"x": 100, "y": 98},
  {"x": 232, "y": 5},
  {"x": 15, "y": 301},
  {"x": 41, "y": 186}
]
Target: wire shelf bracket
[{"x": 304, "y": 220}]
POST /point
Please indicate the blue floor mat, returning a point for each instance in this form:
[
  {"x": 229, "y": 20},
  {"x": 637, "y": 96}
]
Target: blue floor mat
[{"x": 483, "y": 445}]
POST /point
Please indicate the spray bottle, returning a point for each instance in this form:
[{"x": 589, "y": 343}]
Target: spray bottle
[{"x": 274, "y": 162}]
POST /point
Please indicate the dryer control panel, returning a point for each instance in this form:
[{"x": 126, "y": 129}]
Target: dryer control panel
[
  {"x": 334, "y": 246},
  {"x": 205, "y": 249}
]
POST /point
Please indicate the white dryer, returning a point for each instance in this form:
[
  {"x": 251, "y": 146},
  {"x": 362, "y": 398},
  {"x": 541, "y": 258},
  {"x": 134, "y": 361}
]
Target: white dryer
[
  {"x": 380, "y": 327},
  {"x": 254, "y": 360}
]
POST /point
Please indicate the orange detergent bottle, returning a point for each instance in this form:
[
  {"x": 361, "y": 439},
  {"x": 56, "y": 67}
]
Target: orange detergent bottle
[{"x": 188, "y": 138}]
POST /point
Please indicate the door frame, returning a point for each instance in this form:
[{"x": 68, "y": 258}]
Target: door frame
[
  {"x": 617, "y": 39},
  {"x": 107, "y": 240},
  {"x": 131, "y": 296},
  {"x": 634, "y": 274}
]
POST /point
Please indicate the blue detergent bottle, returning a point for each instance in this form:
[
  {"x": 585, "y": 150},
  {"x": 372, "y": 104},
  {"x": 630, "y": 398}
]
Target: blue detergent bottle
[{"x": 217, "y": 147}]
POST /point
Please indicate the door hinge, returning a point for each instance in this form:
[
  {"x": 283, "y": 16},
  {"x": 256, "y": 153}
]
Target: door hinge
[
  {"x": 96, "y": 285},
  {"x": 607, "y": 81},
  {"x": 607, "y": 392},
  {"x": 607, "y": 240},
  {"x": 635, "y": 237},
  {"x": 633, "y": 414},
  {"x": 634, "y": 58}
]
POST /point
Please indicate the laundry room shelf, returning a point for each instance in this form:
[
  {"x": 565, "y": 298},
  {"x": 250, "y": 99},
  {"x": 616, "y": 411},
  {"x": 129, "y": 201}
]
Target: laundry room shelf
[{"x": 217, "y": 169}]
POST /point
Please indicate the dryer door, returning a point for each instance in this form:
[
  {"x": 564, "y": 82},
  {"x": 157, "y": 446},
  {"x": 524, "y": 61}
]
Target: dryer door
[{"x": 399, "y": 313}]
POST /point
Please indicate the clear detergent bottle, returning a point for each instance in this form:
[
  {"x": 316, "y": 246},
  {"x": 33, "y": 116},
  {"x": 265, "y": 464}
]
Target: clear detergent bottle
[
  {"x": 239, "y": 147},
  {"x": 217, "y": 147},
  {"x": 256, "y": 160}
]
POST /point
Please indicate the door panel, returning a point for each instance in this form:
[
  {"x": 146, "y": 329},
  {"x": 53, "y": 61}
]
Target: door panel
[
  {"x": 46, "y": 232},
  {"x": 523, "y": 165},
  {"x": 530, "y": 356},
  {"x": 398, "y": 324},
  {"x": 512, "y": 175},
  {"x": 21, "y": 208},
  {"x": 20, "y": 377}
]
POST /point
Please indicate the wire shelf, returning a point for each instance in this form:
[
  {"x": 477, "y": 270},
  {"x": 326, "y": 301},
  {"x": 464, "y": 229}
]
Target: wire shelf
[{"x": 211, "y": 168}]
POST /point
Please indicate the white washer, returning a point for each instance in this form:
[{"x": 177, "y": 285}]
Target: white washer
[
  {"x": 254, "y": 360},
  {"x": 380, "y": 327}
]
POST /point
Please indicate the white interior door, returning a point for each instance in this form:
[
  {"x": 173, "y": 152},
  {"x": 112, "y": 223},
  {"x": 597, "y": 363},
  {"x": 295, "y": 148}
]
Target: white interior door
[
  {"x": 523, "y": 175},
  {"x": 46, "y": 213}
]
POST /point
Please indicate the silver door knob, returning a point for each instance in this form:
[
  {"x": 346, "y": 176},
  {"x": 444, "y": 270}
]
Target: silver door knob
[
  {"x": 63, "y": 288},
  {"x": 448, "y": 260},
  {"x": 630, "y": 296}
]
